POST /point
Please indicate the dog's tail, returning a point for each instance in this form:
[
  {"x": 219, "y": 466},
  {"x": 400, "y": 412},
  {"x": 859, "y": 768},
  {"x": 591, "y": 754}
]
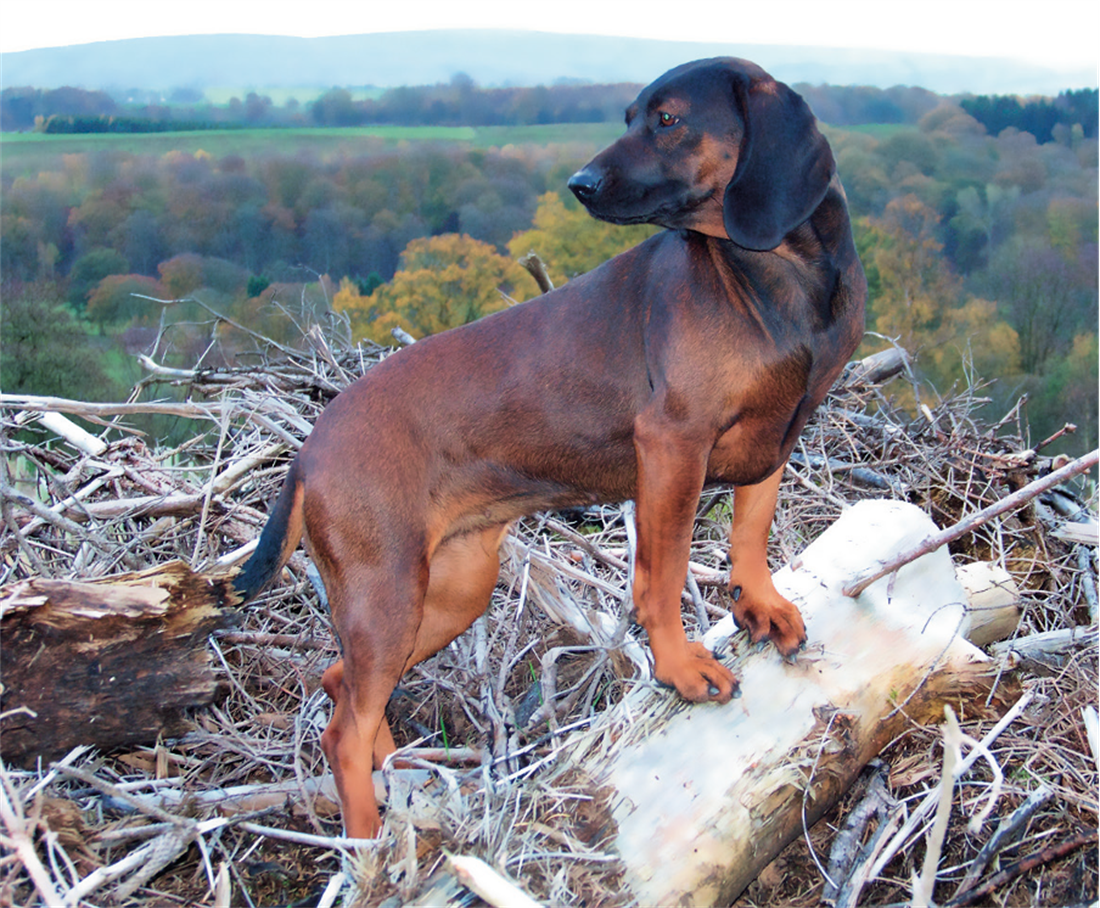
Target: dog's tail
[{"x": 278, "y": 540}]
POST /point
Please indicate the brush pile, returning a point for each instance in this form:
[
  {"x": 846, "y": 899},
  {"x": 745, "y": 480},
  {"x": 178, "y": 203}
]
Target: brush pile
[{"x": 236, "y": 809}]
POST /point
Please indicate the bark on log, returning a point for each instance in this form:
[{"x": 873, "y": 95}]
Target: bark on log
[
  {"x": 708, "y": 795},
  {"x": 111, "y": 663}
]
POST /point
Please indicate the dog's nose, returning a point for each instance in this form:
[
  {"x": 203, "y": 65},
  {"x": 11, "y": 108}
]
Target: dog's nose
[{"x": 585, "y": 184}]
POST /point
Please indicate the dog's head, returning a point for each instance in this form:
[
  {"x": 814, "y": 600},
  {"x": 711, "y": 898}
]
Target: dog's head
[{"x": 716, "y": 146}]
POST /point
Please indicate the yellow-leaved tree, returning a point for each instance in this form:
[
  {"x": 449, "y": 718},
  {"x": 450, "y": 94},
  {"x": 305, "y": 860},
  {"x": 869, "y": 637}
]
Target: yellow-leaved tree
[
  {"x": 571, "y": 241},
  {"x": 973, "y": 339},
  {"x": 912, "y": 286},
  {"x": 917, "y": 300},
  {"x": 443, "y": 282}
]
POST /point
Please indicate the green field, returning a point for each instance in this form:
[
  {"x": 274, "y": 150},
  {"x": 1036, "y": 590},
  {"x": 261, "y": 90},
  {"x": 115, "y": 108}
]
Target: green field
[
  {"x": 29, "y": 153},
  {"x": 220, "y": 96}
]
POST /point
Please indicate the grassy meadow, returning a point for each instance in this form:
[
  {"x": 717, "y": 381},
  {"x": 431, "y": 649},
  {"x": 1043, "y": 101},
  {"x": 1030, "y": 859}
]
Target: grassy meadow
[{"x": 28, "y": 153}]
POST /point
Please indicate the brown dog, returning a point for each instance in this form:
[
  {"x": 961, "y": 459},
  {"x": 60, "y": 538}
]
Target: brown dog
[{"x": 698, "y": 355}]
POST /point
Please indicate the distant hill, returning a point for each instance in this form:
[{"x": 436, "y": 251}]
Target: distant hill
[{"x": 492, "y": 58}]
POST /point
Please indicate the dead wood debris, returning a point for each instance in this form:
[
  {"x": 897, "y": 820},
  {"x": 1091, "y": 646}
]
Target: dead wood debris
[{"x": 164, "y": 823}]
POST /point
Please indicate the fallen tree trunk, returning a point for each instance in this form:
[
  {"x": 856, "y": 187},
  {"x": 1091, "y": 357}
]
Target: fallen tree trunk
[
  {"x": 706, "y": 796},
  {"x": 112, "y": 663}
]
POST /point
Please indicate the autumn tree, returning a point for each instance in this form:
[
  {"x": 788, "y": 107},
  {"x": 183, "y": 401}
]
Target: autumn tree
[
  {"x": 917, "y": 300},
  {"x": 181, "y": 275},
  {"x": 94, "y": 222},
  {"x": 362, "y": 314},
  {"x": 443, "y": 282},
  {"x": 570, "y": 241},
  {"x": 1069, "y": 393},
  {"x": 116, "y": 299},
  {"x": 972, "y": 341},
  {"x": 911, "y": 284}
]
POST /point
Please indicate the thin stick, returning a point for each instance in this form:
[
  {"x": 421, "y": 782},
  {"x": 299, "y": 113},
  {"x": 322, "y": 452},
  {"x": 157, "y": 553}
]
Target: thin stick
[
  {"x": 85, "y": 408},
  {"x": 217, "y": 315},
  {"x": 304, "y": 838},
  {"x": 1092, "y": 731},
  {"x": 332, "y": 890},
  {"x": 917, "y": 817},
  {"x": 1006, "y": 832},
  {"x": 924, "y": 885},
  {"x": 113, "y": 791},
  {"x": 19, "y": 841},
  {"x": 1037, "y": 859},
  {"x": 1084, "y": 563},
  {"x": 483, "y": 880},
  {"x": 1010, "y": 502},
  {"x": 844, "y": 874}
]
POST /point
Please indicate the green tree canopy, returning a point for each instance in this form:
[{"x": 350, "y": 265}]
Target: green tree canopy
[
  {"x": 47, "y": 352},
  {"x": 90, "y": 269}
]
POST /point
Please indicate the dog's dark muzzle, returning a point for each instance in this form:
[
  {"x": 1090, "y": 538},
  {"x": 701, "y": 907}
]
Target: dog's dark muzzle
[{"x": 585, "y": 185}]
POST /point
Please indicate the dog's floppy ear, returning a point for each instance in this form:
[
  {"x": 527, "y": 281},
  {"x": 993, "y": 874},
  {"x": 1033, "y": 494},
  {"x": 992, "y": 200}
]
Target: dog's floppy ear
[{"x": 783, "y": 169}]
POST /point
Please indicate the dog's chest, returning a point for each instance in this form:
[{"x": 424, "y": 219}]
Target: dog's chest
[{"x": 748, "y": 452}]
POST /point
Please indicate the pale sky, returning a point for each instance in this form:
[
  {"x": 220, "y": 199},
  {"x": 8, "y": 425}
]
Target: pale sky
[{"x": 1058, "y": 33}]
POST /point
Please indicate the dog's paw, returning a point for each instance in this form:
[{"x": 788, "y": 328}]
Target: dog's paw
[
  {"x": 769, "y": 617},
  {"x": 696, "y": 674}
]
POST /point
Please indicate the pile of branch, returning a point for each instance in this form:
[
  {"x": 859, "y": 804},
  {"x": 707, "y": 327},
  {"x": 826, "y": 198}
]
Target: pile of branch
[{"x": 241, "y": 794}]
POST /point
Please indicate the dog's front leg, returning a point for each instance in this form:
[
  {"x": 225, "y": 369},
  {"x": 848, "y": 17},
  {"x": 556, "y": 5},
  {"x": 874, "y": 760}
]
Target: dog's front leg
[
  {"x": 757, "y": 604},
  {"x": 671, "y": 470}
]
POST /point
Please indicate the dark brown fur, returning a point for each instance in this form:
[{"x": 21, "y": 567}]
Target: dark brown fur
[{"x": 696, "y": 356}]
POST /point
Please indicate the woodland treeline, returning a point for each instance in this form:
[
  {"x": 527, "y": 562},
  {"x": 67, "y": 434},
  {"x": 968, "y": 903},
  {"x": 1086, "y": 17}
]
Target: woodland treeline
[
  {"x": 461, "y": 102},
  {"x": 980, "y": 247}
]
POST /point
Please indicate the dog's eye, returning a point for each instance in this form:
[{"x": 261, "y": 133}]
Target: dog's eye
[{"x": 667, "y": 119}]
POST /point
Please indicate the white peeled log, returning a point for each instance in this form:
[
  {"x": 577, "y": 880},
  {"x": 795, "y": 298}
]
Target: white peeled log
[{"x": 705, "y": 796}]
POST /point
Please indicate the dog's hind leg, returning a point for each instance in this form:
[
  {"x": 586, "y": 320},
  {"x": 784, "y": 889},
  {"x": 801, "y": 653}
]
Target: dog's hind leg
[
  {"x": 382, "y": 638},
  {"x": 331, "y": 681},
  {"x": 377, "y": 617},
  {"x": 461, "y": 577}
]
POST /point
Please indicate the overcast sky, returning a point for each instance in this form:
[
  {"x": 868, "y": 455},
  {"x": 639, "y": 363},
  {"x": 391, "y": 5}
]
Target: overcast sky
[{"x": 1058, "y": 33}]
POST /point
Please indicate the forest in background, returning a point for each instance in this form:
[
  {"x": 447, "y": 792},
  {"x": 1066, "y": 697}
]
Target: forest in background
[
  {"x": 979, "y": 237},
  {"x": 461, "y": 102}
]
